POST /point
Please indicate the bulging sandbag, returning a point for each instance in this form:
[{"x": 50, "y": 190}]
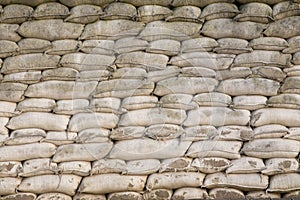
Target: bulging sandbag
[
  {"x": 246, "y": 165},
  {"x": 212, "y": 99},
  {"x": 232, "y": 46},
  {"x": 189, "y": 193},
  {"x": 36, "y": 105},
  {"x": 10, "y": 168},
  {"x": 269, "y": 43},
  {"x": 8, "y": 48},
  {"x": 185, "y": 14},
  {"x": 226, "y": 193},
  {"x": 23, "y": 77},
  {"x": 177, "y": 3},
  {"x": 219, "y": 10},
  {"x": 211, "y": 164},
  {"x": 286, "y": 9},
  {"x": 7, "y": 109},
  {"x": 273, "y": 73},
  {"x": 270, "y": 131},
  {"x": 80, "y": 168},
  {"x": 118, "y": 10},
  {"x": 127, "y": 132},
  {"x": 62, "y": 74},
  {"x": 142, "y": 167},
  {"x": 249, "y": 102},
  {"x": 149, "y": 13},
  {"x": 61, "y": 47},
  {"x": 80, "y": 196},
  {"x": 125, "y": 195},
  {"x": 107, "y": 166},
  {"x": 284, "y": 182},
  {"x": 15, "y": 13},
  {"x": 240, "y": 133},
  {"x": 203, "y": 44},
  {"x": 176, "y": 165},
  {"x": 252, "y": 195},
  {"x": 9, "y": 185},
  {"x": 280, "y": 165},
  {"x": 158, "y": 194},
  {"x": 166, "y": 47},
  {"x": 12, "y": 92},
  {"x": 20, "y": 195},
  {"x": 9, "y": 32},
  {"x": 54, "y": 196},
  {"x": 84, "y": 14},
  {"x": 51, "y": 10},
  {"x": 71, "y": 107},
  {"x": 281, "y": 28},
  {"x": 72, "y": 3},
  {"x": 294, "y": 45},
  {"x": 39, "y": 166},
  {"x": 255, "y": 12}
]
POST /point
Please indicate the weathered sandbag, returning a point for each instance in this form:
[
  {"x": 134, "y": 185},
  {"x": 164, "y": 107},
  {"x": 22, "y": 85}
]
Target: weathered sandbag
[
  {"x": 93, "y": 75},
  {"x": 240, "y": 133},
  {"x": 252, "y": 195},
  {"x": 152, "y": 149},
  {"x": 269, "y": 43},
  {"x": 46, "y": 121},
  {"x": 15, "y": 13},
  {"x": 8, "y": 48},
  {"x": 292, "y": 71},
  {"x": 61, "y": 89},
  {"x": 176, "y": 165},
  {"x": 290, "y": 85},
  {"x": 255, "y": 12},
  {"x": 172, "y": 180},
  {"x": 27, "y": 151},
  {"x": 217, "y": 116},
  {"x": 53, "y": 195},
  {"x": 89, "y": 197},
  {"x": 179, "y": 85},
  {"x": 9, "y": 32},
  {"x": 243, "y": 30},
  {"x": 166, "y": 47},
  {"x": 185, "y": 14},
  {"x": 108, "y": 104},
  {"x": 82, "y": 152},
  {"x": 198, "y": 44},
  {"x": 111, "y": 29},
  {"x": 93, "y": 135},
  {"x": 61, "y": 47},
  {"x": 26, "y": 62},
  {"x": 286, "y": 9},
  {"x": 226, "y": 193},
  {"x": 138, "y": 3},
  {"x": 151, "y": 116},
  {"x": 294, "y": 45},
  {"x": 196, "y": 133},
  {"x": 211, "y": 148},
  {"x": 189, "y": 193},
  {"x": 142, "y": 167},
  {"x": 233, "y": 73},
  {"x": 36, "y": 105},
  {"x": 71, "y": 107},
  {"x": 139, "y": 102},
  {"x": 272, "y": 148},
  {"x": 149, "y": 13},
  {"x": 125, "y": 195},
  {"x": 141, "y": 59},
  {"x": 25, "y": 136},
  {"x": 177, "y": 3},
  {"x": 251, "y": 86},
  {"x": 119, "y": 10},
  {"x": 3, "y": 122},
  {"x": 245, "y": 165},
  {"x": 61, "y": 73},
  {"x": 32, "y": 3},
  {"x": 37, "y": 167},
  {"x": 197, "y": 71},
  {"x": 23, "y": 77},
  {"x": 270, "y": 131},
  {"x": 73, "y": 3},
  {"x": 219, "y": 10},
  {"x": 212, "y": 99},
  {"x": 106, "y": 166},
  {"x": 127, "y": 132},
  {"x": 170, "y": 71},
  {"x": 273, "y": 73},
  {"x": 177, "y": 101},
  {"x": 130, "y": 44},
  {"x": 280, "y": 165},
  {"x": 51, "y": 10},
  {"x": 80, "y": 168},
  {"x": 285, "y": 117},
  {"x": 60, "y": 137},
  {"x": 108, "y": 183},
  {"x": 232, "y": 46},
  {"x": 294, "y": 194},
  {"x": 170, "y": 30},
  {"x": 296, "y": 58},
  {"x": 211, "y": 165},
  {"x": 9, "y": 185},
  {"x": 271, "y": 2},
  {"x": 244, "y": 182},
  {"x": 164, "y": 131},
  {"x": 284, "y": 183},
  {"x": 84, "y": 14},
  {"x": 282, "y": 28},
  {"x": 7, "y": 109},
  {"x": 162, "y": 194},
  {"x": 12, "y": 92},
  {"x": 19, "y": 196},
  {"x": 203, "y": 59},
  {"x": 294, "y": 133},
  {"x": 10, "y": 168},
  {"x": 105, "y": 47},
  {"x": 249, "y": 102},
  {"x": 66, "y": 184}
]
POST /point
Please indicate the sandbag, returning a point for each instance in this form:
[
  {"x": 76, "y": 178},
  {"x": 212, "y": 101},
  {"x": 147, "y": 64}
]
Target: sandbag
[
  {"x": 10, "y": 168},
  {"x": 294, "y": 133},
  {"x": 32, "y": 3},
  {"x": 106, "y": 166},
  {"x": 80, "y": 168},
  {"x": 166, "y": 47},
  {"x": 226, "y": 193},
  {"x": 93, "y": 135},
  {"x": 294, "y": 195},
  {"x": 269, "y": 43},
  {"x": 272, "y": 148},
  {"x": 203, "y": 44},
  {"x": 9, "y": 185},
  {"x": 130, "y": 73},
  {"x": 25, "y": 136},
  {"x": 54, "y": 196},
  {"x": 84, "y": 14},
  {"x": 108, "y": 183},
  {"x": 245, "y": 165},
  {"x": 281, "y": 28},
  {"x": 71, "y": 107},
  {"x": 294, "y": 45},
  {"x": 119, "y": 10},
  {"x": 211, "y": 165},
  {"x": 284, "y": 183},
  {"x": 177, "y": 3},
  {"x": 142, "y": 167},
  {"x": 3, "y": 122},
  {"x": 127, "y": 132},
  {"x": 130, "y": 44},
  {"x": 66, "y": 184},
  {"x": 15, "y": 13},
  {"x": 51, "y": 10},
  {"x": 23, "y": 77},
  {"x": 139, "y": 102},
  {"x": 149, "y": 13},
  {"x": 125, "y": 195},
  {"x": 219, "y": 10},
  {"x": 286, "y": 9},
  {"x": 36, "y": 105},
  {"x": 152, "y": 149},
  {"x": 8, "y": 48},
  {"x": 163, "y": 194},
  {"x": 104, "y": 47},
  {"x": 62, "y": 74},
  {"x": 89, "y": 197},
  {"x": 240, "y": 133},
  {"x": 197, "y": 71},
  {"x": 9, "y": 32},
  {"x": 255, "y": 12},
  {"x": 177, "y": 101},
  {"x": 185, "y": 14},
  {"x": 270, "y": 131},
  {"x": 40, "y": 166},
  {"x": 12, "y": 92},
  {"x": 273, "y": 73},
  {"x": 212, "y": 99},
  {"x": 280, "y": 165},
  {"x": 72, "y": 3},
  {"x": 189, "y": 193},
  {"x": 290, "y": 85},
  {"x": 176, "y": 165},
  {"x": 164, "y": 131},
  {"x": 61, "y": 47},
  {"x": 19, "y": 196},
  {"x": 7, "y": 109},
  {"x": 296, "y": 58},
  {"x": 108, "y": 104},
  {"x": 249, "y": 102},
  {"x": 271, "y": 2},
  {"x": 252, "y": 195},
  {"x": 60, "y": 137},
  {"x": 233, "y": 73},
  {"x": 93, "y": 75},
  {"x": 196, "y": 133},
  {"x": 232, "y": 46}
]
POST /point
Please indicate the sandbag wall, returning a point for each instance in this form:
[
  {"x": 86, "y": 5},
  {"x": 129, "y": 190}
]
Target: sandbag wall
[{"x": 149, "y": 99}]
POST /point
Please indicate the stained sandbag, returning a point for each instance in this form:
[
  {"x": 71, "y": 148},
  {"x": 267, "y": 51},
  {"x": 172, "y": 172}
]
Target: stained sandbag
[
  {"x": 272, "y": 148},
  {"x": 294, "y": 45},
  {"x": 196, "y": 133},
  {"x": 15, "y": 13},
  {"x": 273, "y": 73},
  {"x": 211, "y": 165},
  {"x": 226, "y": 193},
  {"x": 286, "y": 9},
  {"x": 149, "y": 13},
  {"x": 94, "y": 75},
  {"x": 51, "y": 10},
  {"x": 269, "y": 43},
  {"x": 240, "y": 133},
  {"x": 294, "y": 133},
  {"x": 290, "y": 85},
  {"x": 212, "y": 99},
  {"x": 177, "y": 101},
  {"x": 84, "y": 14},
  {"x": 23, "y": 77},
  {"x": 251, "y": 86},
  {"x": 9, "y": 32},
  {"x": 93, "y": 135},
  {"x": 40, "y": 166},
  {"x": 270, "y": 131},
  {"x": 219, "y": 10},
  {"x": 189, "y": 193},
  {"x": 296, "y": 58},
  {"x": 25, "y": 136},
  {"x": 232, "y": 46},
  {"x": 71, "y": 107},
  {"x": 281, "y": 28},
  {"x": 152, "y": 149},
  {"x": 61, "y": 47},
  {"x": 170, "y": 71},
  {"x": 294, "y": 194},
  {"x": 176, "y": 165},
  {"x": 89, "y": 196},
  {"x": 284, "y": 183},
  {"x": 163, "y": 194},
  {"x": 255, "y": 12},
  {"x": 127, "y": 132},
  {"x": 164, "y": 131},
  {"x": 243, "y": 30},
  {"x": 139, "y": 102},
  {"x": 3, "y": 122},
  {"x": 280, "y": 165},
  {"x": 292, "y": 71},
  {"x": 10, "y": 168},
  {"x": 202, "y": 44},
  {"x": 62, "y": 74},
  {"x": 118, "y": 10},
  {"x": 36, "y": 105},
  {"x": 142, "y": 167},
  {"x": 32, "y": 3},
  {"x": 177, "y": 3},
  {"x": 53, "y": 196},
  {"x": 8, "y": 48},
  {"x": 166, "y": 47},
  {"x": 9, "y": 185},
  {"x": 105, "y": 47},
  {"x": 233, "y": 73},
  {"x": 246, "y": 165},
  {"x": 108, "y": 183},
  {"x": 60, "y": 137},
  {"x": 19, "y": 196},
  {"x": 72, "y": 3},
  {"x": 197, "y": 71},
  {"x": 106, "y": 166},
  {"x": 80, "y": 168},
  {"x": 12, "y": 92},
  {"x": 252, "y": 195},
  {"x": 249, "y": 102},
  {"x": 82, "y": 152},
  {"x": 66, "y": 184},
  {"x": 125, "y": 195},
  {"x": 271, "y": 2},
  {"x": 108, "y": 104},
  {"x": 185, "y": 14},
  {"x": 7, "y": 109},
  {"x": 27, "y": 151},
  {"x": 130, "y": 44}
]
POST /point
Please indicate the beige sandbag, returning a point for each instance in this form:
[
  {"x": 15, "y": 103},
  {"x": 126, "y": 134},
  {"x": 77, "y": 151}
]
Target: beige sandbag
[
  {"x": 10, "y": 168},
  {"x": 125, "y": 195},
  {"x": 127, "y": 132},
  {"x": 138, "y": 3},
  {"x": 105, "y": 47},
  {"x": 20, "y": 195},
  {"x": 106, "y": 166},
  {"x": 3, "y": 122},
  {"x": 172, "y": 180},
  {"x": 212, "y": 99},
  {"x": 226, "y": 193},
  {"x": 89, "y": 197},
  {"x": 203, "y": 59},
  {"x": 25, "y": 136},
  {"x": 12, "y": 92},
  {"x": 51, "y": 10},
  {"x": 23, "y": 77},
  {"x": 233, "y": 73},
  {"x": 139, "y": 102},
  {"x": 152, "y": 149},
  {"x": 9, "y": 32},
  {"x": 46, "y": 121},
  {"x": 9, "y": 185},
  {"x": 66, "y": 184},
  {"x": 211, "y": 148},
  {"x": 72, "y": 3},
  {"x": 285, "y": 117},
  {"x": 61, "y": 47},
  {"x": 36, "y": 105},
  {"x": 60, "y": 137},
  {"x": 269, "y": 43},
  {"x": 46, "y": 196},
  {"x": 292, "y": 71},
  {"x": 249, "y": 102},
  {"x": 189, "y": 193},
  {"x": 291, "y": 195},
  {"x": 61, "y": 89},
  {"x": 196, "y": 133},
  {"x": 245, "y": 165},
  {"x": 80, "y": 168},
  {"x": 151, "y": 116},
  {"x": 251, "y": 86},
  {"x": 164, "y": 131},
  {"x": 244, "y": 182},
  {"x": 27, "y": 151},
  {"x": 32, "y": 3},
  {"x": 37, "y": 167},
  {"x": 255, "y": 12},
  {"x": 198, "y": 44},
  {"x": 93, "y": 135},
  {"x": 211, "y": 165},
  {"x": 280, "y": 165},
  {"x": 8, "y": 48},
  {"x": 166, "y": 47},
  {"x": 149, "y": 13},
  {"x": 273, "y": 73},
  {"x": 271, "y": 2},
  {"x": 177, "y": 3},
  {"x": 270, "y": 131},
  {"x": 286, "y": 9},
  {"x": 294, "y": 133},
  {"x": 240, "y": 133},
  {"x": 93, "y": 75},
  {"x": 130, "y": 44},
  {"x": 296, "y": 58},
  {"x": 290, "y": 85},
  {"x": 142, "y": 167},
  {"x": 272, "y": 148},
  {"x": 84, "y": 14},
  {"x": 217, "y": 116},
  {"x": 252, "y": 195},
  {"x": 28, "y": 132},
  {"x": 281, "y": 28},
  {"x": 232, "y": 46},
  {"x": 111, "y": 29},
  {"x": 119, "y": 10},
  {"x": 243, "y": 30},
  {"x": 219, "y": 10},
  {"x": 7, "y": 109},
  {"x": 294, "y": 45},
  {"x": 179, "y": 85},
  {"x": 170, "y": 71},
  {"x": 185, "y": 14},
  {"x": 197, "y": 71},
  {"x": 284, "y": 183},
  {"x": 108, "y": 183},
  {"x": 108, "y": 104},
  {"x": 15, "y": 13},
  {"x": 176, "y": 165},
  {"x": 177, "y": 101},
  {"x": 61, "y": 73},
  {"x": 162, "y": 194},
  {"x": 71, "y": 107}
]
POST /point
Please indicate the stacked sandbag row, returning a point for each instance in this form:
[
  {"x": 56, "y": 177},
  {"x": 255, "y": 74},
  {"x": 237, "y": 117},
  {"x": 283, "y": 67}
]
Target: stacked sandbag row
[{"x": 148, "y": 99}]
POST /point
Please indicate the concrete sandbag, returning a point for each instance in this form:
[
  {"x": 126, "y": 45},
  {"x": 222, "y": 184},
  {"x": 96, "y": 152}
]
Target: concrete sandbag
[
  {"x": 281, "y": 28},
  {"x": 211, "y": 165}
]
